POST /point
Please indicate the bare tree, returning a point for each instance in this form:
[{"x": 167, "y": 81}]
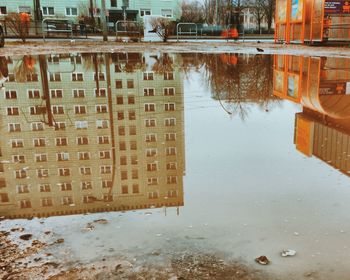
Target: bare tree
[
  {"x": 192, "y": 12},
  {"x": 162, "y": 27},
  {"x": 258, "y": 9},
  {"x": 15, "y": 23},
  {"x": 269, "y": 11}
]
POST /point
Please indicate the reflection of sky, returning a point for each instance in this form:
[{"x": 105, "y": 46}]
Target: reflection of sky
[{"x": 295, "y": 6}]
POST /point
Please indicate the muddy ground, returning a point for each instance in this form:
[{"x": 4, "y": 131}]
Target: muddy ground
[
  {"x": 24, "y": 257},
  {"x": 65, "y": 46}
]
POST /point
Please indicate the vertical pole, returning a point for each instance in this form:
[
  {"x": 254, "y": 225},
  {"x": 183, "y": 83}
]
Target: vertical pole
[{"x": 103, "y": 20}]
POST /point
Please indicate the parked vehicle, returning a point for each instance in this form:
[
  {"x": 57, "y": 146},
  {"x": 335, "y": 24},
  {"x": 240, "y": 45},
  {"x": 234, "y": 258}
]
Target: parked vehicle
[{"x": 2, "y": 36}]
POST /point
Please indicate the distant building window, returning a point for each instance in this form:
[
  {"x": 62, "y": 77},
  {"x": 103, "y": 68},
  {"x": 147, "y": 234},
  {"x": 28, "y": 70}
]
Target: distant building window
[
  {"x": 22, "y": 189},
  {"x": 132, "y": 115},
  {"x": 131, "y": 99},
  {"x": 124, "y": 189},
  {"x": 150, "y": 152},
  {"x": 11, "y": 94},
  {"x": 119, "y": 100},
  {"x": 148, "y": 76},
  {"x": 56, "y": 93},
  {"x": 63, "y": 171},
  {"x": 130, "y": 83},
  {"x": 3, "y": 10},
  {"x": 85, "y": 170},
  {"x": 101, "y": 76},
  {"x": 168, "y": 76},
  {"x": 81, "y": 124},
  {"x": 60, "y": 126},
  {"x": 145, "y": 12},
  {"x": 57, "y": 110},
  {"x": 153, "y": 195},
  {"x": 80, "y": 109},
  {"x": 150, "y": 122},
  {"x": 83, "y": 140},
  {"x": 169, "y": 106},
  {"x": 78, "y": 93},
  {"x": 17, "y": 143},
  {"x": 67, "y": 200},
  {"x": 167, "y": 13},
  {"x": 118, "y": 84},
  {"x": 33, "y": 94},
  {"x": 48, "y": 11},
  {"x": 47, "y": 201},
  {"x": 24, "y": 9},
  {"x": 71, "y": 11},
  {"x": 61, "y": 141},
  {"x": 83, "y": 155},
  {"x": 102, "y": 124},
  {"x": 25, "y": 203},
  {"x": 103, "y": 139},
  {"x": 77, "y": 77},
  {"x": 39, "y": 142},
  {"x": 18, "y": 159},
  {"x": 86, "y": 185},
  {"x": 113, "y": 3},
  {"x": 171, "y": 136},
  {"x": 42, "y": 173},
  {"x": 101, "y": 92},
  {"x": 12, "y": 111},
  {"x": 101, "y": 109},
  {"x": 14, "y": 127},
  {"x": 148, "y": 92},
  {"x": 135, "y": 188},
  {"x": 32, "y": 77},
  {"x": 65, "y": 186},
  {"x": 168, "y": 91},
  {"x": 150, "y": 107},
  {"x": 170, "y": 121},
  {"x": 55, "y": 77},
  {"x": 37, "y": 126}
]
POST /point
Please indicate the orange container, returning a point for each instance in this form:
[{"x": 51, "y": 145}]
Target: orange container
[{"x": 312, "y": 21}]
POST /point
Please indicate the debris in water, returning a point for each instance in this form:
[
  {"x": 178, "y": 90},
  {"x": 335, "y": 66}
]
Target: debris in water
[
  {"x": 288, "y": 252},
  {"x": 26, "y": 236},
  {"x": 263, "y": 260},
  {"x": 101, "y": 221}
]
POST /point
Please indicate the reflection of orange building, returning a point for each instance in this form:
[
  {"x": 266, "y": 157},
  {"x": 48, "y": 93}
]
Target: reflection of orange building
[
  {"x": 323, "y": 88},
  {"x": 115, "y": 141}
]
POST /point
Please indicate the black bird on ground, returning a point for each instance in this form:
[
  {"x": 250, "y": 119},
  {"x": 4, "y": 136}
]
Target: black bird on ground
[{"x": 259, "y": 50}]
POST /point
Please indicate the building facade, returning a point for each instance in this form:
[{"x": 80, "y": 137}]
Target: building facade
[
  {"x": 89, "y": 133},
  {"x": 135, "y": 9}
]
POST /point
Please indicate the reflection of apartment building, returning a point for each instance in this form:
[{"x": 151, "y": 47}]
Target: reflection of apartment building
[
  {"x": 322, "y": 87},
  {"x": 90, "y": 132}
]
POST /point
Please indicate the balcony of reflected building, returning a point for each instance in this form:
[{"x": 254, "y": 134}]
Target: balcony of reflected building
[
  {"x": 90, "y": 132},
  {"x": 322, "y": 86}
]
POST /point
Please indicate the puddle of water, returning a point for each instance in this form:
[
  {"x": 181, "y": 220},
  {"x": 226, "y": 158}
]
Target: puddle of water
[{"x": 236, "y": 155}]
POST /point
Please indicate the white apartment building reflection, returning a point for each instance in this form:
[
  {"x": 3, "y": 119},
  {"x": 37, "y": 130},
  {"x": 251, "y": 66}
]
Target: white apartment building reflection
[{"x": 90, "y": 133}]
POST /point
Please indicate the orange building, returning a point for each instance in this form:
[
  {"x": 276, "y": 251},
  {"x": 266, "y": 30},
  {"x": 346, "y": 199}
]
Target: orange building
[
  {"x": 312, "y": 21},
  {"x": 322, "y": 86}
]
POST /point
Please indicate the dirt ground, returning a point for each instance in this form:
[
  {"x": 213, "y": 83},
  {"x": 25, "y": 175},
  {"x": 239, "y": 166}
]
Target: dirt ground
[
  {"x": 40, "y": 47},
  {"x": 32, "y": 263}
]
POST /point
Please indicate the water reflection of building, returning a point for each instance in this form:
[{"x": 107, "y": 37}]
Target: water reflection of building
[
  {"x": 90, "y": 133},
  {"x": 322, "y": 86}
]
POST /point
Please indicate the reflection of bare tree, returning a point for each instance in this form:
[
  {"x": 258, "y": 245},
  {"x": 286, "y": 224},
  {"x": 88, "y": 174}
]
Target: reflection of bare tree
[
  {"x": 24, "y": 68},
  {"x": 237, "y": 81},
  {"x": 163, "y": 64}
]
